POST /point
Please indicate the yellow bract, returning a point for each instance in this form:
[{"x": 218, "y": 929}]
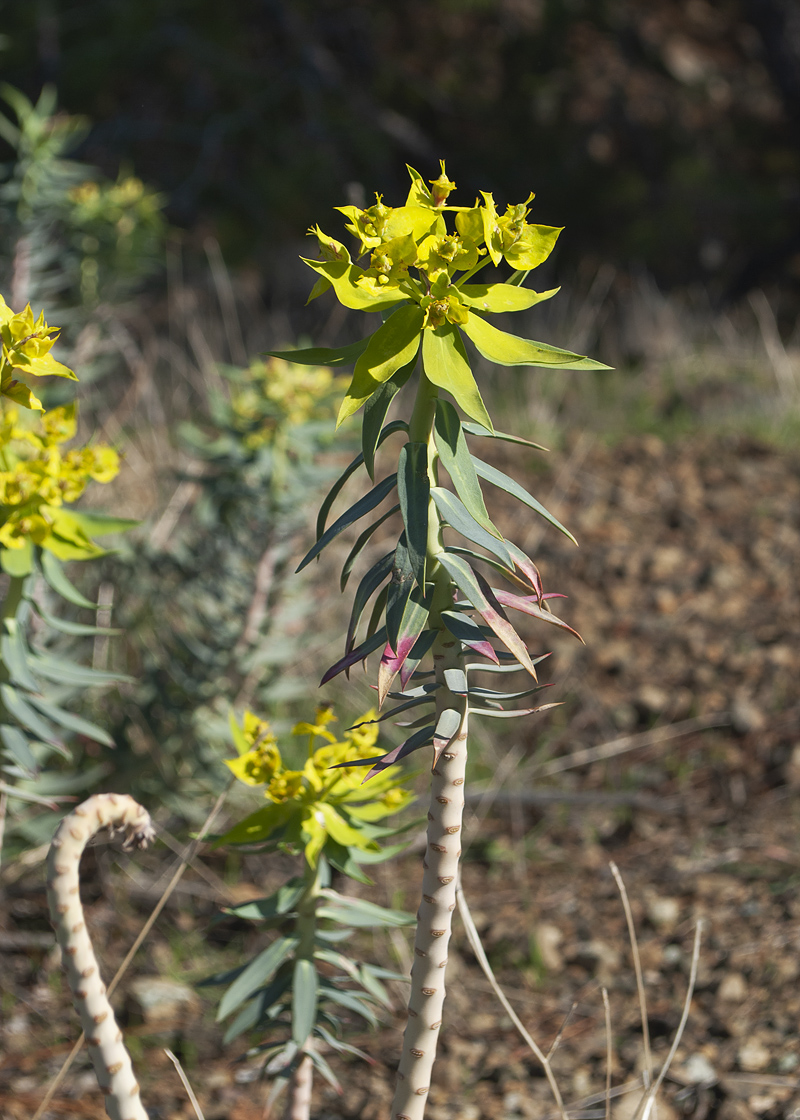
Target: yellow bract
[
  {"x": 38, "y": 478},
  {"x": 26, "y": 345},
  {"x": 331, "y": 800}
]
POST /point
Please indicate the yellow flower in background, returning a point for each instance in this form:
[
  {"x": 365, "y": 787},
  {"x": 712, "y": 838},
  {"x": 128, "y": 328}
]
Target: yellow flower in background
[
  {"x": 323, "y": 801},
  {"x": 37, "y": 478}
]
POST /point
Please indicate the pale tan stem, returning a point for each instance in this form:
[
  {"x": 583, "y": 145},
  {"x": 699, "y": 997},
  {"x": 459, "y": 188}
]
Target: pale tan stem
[
  {"x": 298, "y": 1105},
  {"x": 112, "y": 1063},
  {"x": 435, "y": 917}
]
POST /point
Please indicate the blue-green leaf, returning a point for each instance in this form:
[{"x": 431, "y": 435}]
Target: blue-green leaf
[
  {"x": 393, "y": 345},
  {"x": 304, "y": 1000},
  {"x": 360, "y": 544},
  {"x": 17, "y": 746},
  {"x": 72, "y": 722},
  {"x": 323, "y": 355},
  {"x": 335, "y": 490},
  {"x": 413, "y": 490},
  {"x": 364, "y": 592},
  {"x": 363, "y": 506},
  {"x": 457, "y": 517},
  {"x": 16, "y": 706},
  {"x": 15, "y": 657},
  {"x": 457, "y": 461},
  {"x": 375, "y": 411},
  {"x": 497, "y": 478},
  {"x": 54, "y": 574},
  {"x": 479, "y": 430},
  {"x": 256, "y": 974}
]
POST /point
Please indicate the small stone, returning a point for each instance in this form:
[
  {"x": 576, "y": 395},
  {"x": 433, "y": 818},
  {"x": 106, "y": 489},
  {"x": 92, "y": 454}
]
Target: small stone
[
  {"x": 697, "y": 1070},
  {"x": 548, "y": 938},
  {"x": 753, "y": 1056},
  {"x": 746, "y": 717},
  {"x": 663, "y": 912},
  {"x": 163, "y": 1000},
  {"x": 652, "y": 698},
  {"x": 733, "y": 988}
]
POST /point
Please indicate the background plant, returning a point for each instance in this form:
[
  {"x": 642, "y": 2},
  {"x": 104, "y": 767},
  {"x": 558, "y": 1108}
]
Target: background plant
[
  {"x": 40, "y": 481},
  {"x": 203, "y": 598},
  {"x": 428, "y": 590},
  {"x": 301, "y": 990}
]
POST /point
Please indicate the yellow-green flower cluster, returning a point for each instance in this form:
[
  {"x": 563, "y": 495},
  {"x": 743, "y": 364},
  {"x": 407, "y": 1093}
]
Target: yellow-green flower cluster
[
  {"x": 321, "y": 802},
  {"x": 274, "y": 394},
  {"x": 26, "y": 345},
  {"x": 38, "y": 477},
  {"x": 416, "y": 236}
]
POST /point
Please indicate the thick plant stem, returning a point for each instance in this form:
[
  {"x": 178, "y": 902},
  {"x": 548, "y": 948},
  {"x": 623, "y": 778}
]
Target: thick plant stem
[
  {"x": 298, "y": 1105},
  {"x": 435, "y": 917},
  {"x": 112, "y": 1063}
]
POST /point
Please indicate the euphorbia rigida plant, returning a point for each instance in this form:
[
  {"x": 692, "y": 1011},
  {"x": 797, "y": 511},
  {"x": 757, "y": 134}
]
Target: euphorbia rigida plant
[
  {"x": 432, "y": 598},
  {"x": 296, "y": 988}
]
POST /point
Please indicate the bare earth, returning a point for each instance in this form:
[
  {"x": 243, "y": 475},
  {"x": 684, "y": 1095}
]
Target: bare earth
[{"x": 685, "y": 591}]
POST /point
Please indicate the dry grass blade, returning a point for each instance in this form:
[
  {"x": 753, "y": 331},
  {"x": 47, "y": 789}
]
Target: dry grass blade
[
  {"x": 185, "y": 1081},
  {"x": 647, "y": 1101},
  {"x": 630, "y": 742},
  {"x": 637, "y": 967},
  {"x": 477, "y": 948},
  {"x": 557, "y": 1040},
  {"x": 609, "y": 1055},
  {"x": 159, "y": 906}
]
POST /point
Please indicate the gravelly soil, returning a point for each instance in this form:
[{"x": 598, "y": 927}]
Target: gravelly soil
[{"x": 685, "y": 591}]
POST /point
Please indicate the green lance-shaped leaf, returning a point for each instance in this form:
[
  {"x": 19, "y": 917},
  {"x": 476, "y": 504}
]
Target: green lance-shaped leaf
[
  {"x": 256, "y": 974},
  {"x": 342, "y": 276},
  {"x": 355, "y": 655},
  {"x": 375, "y": 411},
  {"x": 530, "y": 606},
  {"x": 419, "y": 739},
  {"x": 511, "y": 350},
  {"x": 352, "y": 467},
  {"x": 366, "y": 589},
  {"x": 447, "y": 727},
  {"x": 479, "y": 430},
  {"x": 71, "y": 722},
  {"x": 19, "y": 708},
  {"x": 323, "y": 355},
  {"x": 16, "y": 745},
  {"x": 407, "y": 705},
  {"x": 259, "y": 825},
  {"x": 276, "y": 905},
  {"x": 469, "y": 633},
  {"x": 54, "y": 574},
  {"x": 17, "y": 562},
  {"x": 361, "y": 543},
  {"x": 66, "y": 626},
  {"x": 418, "y": 651},
  {"x": 413, "y": 490},
  {"x": 489, "y": 695},
  {"x": 100, "y": 524},
  {"x": 494, "y": 713},
  {"x": 356, "y": 512},
  {"x": 392, "y": 346},
  {"x": 251, "y": 1015},
  {"x": 15, "y": 657},
  {"x": 457, "y": 461},
  {"x": 513, "y": 667},
  {"x": 359, "y": 913},
  {"x": 510, "y": 574},
  {"x": 502, "y": 297},
  {"x": 398, "y": 590},
  {"x": 455, "y": 514},
  {"x": 446, "y": 365},
  {"x": 304, "y": 1000},
  {"x": 497, "y": 478},
  {"x": 480, "y": 595},
  {"x": 62, "y": 671},
  {"x": 412, "y": 623}
]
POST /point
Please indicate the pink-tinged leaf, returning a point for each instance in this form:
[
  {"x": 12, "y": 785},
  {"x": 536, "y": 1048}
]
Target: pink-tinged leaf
[
  {"x": 525, "y": 565},
  {"x": 415, "y": 615},
  {"x": 421, "y": 647},
  {"x": 448, "y": 726},
  {"x": 469, "y": 634},
  {"x": 528, "y": 605},
  {"x": 354, "y": 656},
  {"x": 483, "y": 599}
]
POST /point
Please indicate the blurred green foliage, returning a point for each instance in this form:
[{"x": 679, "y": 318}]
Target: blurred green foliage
[
  {"x": 665, "y": 134},
  {"x": 208, "y": 619}
]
